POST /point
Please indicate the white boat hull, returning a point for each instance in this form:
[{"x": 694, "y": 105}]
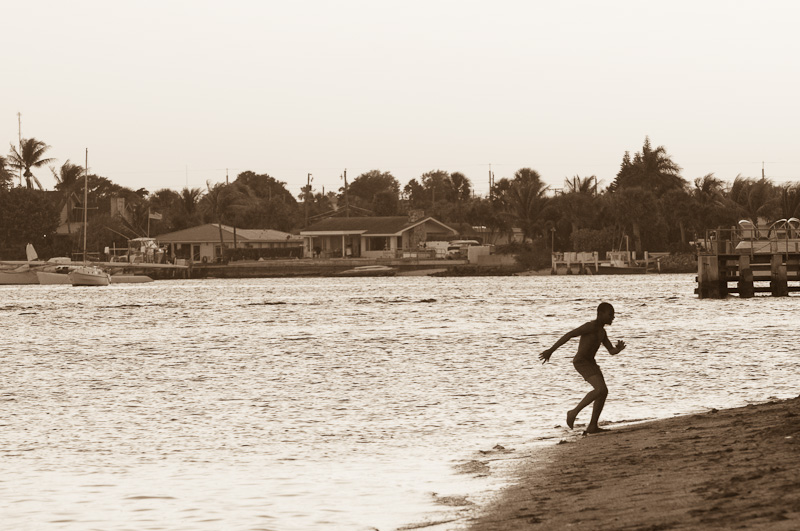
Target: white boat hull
[{"x": 89, "y": 276}]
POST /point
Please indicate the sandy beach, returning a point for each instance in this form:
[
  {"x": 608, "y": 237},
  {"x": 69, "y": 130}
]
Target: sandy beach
[{"x": 727, "y": 469}]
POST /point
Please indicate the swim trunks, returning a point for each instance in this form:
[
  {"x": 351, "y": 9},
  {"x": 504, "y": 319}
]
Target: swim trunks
[{"x": 587, "y": 368}]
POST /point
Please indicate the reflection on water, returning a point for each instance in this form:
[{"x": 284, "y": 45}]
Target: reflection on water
[{"x": 335, "y": 403}]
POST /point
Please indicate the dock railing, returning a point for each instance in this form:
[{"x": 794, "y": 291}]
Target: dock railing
[{"x": 747, "y": 261}]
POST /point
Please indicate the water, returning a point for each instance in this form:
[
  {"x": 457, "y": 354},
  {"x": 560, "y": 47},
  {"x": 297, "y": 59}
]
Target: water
[{"x": 336, "y": 403}]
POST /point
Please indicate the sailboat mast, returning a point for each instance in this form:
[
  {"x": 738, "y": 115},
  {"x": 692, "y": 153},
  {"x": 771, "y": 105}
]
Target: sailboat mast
[{"x": 85, "y": 202}]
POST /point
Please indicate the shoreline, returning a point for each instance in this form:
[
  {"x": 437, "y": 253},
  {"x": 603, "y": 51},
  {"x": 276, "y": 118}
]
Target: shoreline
[{"x": 733, "y": 468}]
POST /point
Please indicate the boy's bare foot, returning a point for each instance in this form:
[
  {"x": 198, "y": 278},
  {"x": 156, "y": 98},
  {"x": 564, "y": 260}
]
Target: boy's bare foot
[
  {"x": 595, "y": 429},
  {"x": 571, "y": 418}
]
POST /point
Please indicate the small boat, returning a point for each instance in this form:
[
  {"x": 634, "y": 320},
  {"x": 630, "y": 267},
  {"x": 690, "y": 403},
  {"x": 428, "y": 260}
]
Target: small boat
[
  {"x": 368, "y": 271},
  {"x": 87, "y": 275}
]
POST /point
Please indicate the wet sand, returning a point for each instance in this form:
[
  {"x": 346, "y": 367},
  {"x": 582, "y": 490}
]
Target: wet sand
[{"x": 728, "y": 469}]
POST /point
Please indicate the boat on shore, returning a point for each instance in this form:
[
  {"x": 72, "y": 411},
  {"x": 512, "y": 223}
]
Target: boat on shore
[{"x": 368, "y": 271}]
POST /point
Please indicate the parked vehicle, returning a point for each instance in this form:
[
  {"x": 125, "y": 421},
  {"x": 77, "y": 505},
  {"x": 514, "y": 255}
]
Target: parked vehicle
[{"x": 457, "y": 250}]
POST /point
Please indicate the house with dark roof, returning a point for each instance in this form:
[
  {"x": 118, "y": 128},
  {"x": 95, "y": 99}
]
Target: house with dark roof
[
  {"x": 372, "y": 237},
  {"x": 202, "y": 243}
]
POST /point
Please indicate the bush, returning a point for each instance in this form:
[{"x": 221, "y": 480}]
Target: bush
[
  {"x": 534, "y": 255},
  {"x": 591, "y": 240}
]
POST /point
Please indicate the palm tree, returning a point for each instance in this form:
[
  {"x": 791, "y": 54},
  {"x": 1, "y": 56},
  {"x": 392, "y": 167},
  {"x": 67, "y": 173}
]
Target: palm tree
[
  {"x": 222, "y": 203},
  {"x": 68, "y": 179},
  {"x": 30, "y": 155},
  {"x": 190, "y": 197},
  {"x": 789, "y": 197},
  {"x": 578, "y": 200},
  {"x": 711, "y": 206},
  {"x": 585, "y": 185},
  {"x": 755, "y": 198},
  {"x": 526, "y": 199}
]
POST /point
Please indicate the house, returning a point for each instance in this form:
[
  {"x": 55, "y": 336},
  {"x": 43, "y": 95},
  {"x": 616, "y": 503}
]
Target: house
[
  {"x": 372, "y": 237},
  {"x": 202, "y": 243}
]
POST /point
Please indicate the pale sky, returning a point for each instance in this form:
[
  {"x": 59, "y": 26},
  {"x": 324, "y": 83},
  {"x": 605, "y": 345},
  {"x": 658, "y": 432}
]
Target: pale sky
[{"x": 166, "y": 93}]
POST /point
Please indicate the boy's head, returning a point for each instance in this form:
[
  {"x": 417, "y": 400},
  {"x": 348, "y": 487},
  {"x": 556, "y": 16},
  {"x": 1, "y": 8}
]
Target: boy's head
[{"x": 605, "y": 313}]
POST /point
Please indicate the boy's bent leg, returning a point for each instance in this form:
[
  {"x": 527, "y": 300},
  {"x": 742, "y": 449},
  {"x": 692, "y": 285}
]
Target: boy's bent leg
[
  {"x": 600, "y": 393},
  {"x": 591, "y": 396}
]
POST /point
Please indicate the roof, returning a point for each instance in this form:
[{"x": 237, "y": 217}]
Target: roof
[
  {"x": 210, "y": 233},
  {"x": 369, "y": 226}
]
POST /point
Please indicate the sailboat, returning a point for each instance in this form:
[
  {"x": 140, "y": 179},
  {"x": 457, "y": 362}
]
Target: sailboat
[{"x": 87, "y": 275}]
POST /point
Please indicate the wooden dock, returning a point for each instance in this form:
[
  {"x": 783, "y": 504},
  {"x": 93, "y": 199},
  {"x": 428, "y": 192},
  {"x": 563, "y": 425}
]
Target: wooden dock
[{"x": 719, "y": 275}]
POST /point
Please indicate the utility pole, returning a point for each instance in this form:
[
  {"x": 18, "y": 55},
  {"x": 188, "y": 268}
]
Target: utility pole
[
  {"x": 308, "y": 192},
  {"x": 346, "y": 200}
]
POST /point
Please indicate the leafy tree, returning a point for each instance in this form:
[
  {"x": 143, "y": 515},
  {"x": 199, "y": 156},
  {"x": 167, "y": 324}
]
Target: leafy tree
[
  {"x": 30, "y": 155},
  {"x": 592, "y": 240},
  {"x": 414, "y": 192},
  {"x": 482, "y": 212},
  {"x": 264, "y": 186},
  {"x": 6, "y": 177},
  {"x": 462, "y": 186},
  {"x": 366, "y": 186},
  {"x": 651, "y": 169},
  {"x": 385, "y": 203},
  {"x": 438, "y": 186},
  {"x": 26, "y": 216}
]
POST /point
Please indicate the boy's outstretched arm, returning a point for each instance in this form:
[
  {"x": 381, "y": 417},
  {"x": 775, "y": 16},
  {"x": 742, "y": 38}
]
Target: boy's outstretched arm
[
  {"x": 613, "y": 349},
  {"x": 583, "y": 329}
]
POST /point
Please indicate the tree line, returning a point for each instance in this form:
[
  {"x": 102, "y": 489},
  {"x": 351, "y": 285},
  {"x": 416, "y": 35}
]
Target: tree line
[{"x": 649, "y": 202}]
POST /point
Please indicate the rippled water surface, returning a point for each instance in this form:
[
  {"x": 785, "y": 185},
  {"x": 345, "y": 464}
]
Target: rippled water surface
[{"x": 335, "y": 403}]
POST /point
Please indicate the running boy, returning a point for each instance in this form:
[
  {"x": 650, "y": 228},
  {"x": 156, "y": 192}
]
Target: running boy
[{"x": 592, "y": 335}]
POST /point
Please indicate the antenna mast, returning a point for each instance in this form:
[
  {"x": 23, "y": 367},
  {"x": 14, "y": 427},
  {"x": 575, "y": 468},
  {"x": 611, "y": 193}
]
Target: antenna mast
[
  {"x": 19, "y": 124},
  {"x": 85, "y": 202}
]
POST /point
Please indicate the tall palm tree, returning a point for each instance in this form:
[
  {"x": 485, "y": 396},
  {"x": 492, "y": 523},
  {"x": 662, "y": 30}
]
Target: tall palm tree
[
  {"x": 30, "y": 155},
  {"x": 68, "y": 180}
]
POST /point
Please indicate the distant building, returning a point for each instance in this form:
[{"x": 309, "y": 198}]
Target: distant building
[
  {"x": 372, "y": 237},
  {"x": 202, "y": 243}
]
